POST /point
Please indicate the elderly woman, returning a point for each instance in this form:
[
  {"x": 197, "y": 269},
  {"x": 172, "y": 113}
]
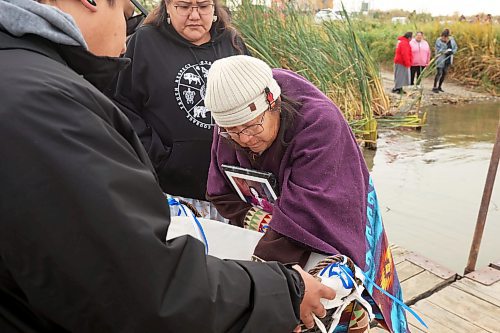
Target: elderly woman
[
  {"x": 162, "y": 91},
  {"x": 276, "y": 121}
]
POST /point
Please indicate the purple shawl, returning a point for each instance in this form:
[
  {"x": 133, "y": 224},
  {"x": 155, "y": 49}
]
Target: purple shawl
[{"x": 321, "y": 174}]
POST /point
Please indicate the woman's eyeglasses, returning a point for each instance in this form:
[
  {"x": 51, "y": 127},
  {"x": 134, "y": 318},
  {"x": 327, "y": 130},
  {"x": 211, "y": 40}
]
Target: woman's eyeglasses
[
  {"x": 135, "y": 21},
  {"x": 257, "y": 128},
  {"x": 250, "y": 130},
  {"x": 203, "y": 9}
]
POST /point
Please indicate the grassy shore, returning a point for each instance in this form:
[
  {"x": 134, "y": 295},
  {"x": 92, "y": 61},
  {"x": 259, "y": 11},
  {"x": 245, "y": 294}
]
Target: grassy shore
[
  {"x": 477, "y": 63},
  {"x": 332, "y": 56},
  {"x": 343, "y": 58}
]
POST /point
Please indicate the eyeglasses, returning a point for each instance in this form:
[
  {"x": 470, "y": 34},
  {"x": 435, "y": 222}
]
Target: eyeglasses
[
  {"x": 134, "y": 22},
  {"x": 203, "y": 9},
  {"x": 250, "y": 130}
]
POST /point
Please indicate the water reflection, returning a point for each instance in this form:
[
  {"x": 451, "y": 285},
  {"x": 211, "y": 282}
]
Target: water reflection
[
  {"x": 460, "y": 126},
  {"x": 430, "y": 183}
]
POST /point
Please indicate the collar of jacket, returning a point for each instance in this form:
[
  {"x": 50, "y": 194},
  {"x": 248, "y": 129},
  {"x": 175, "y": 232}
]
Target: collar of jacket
[{"x": 99, "y": 71}]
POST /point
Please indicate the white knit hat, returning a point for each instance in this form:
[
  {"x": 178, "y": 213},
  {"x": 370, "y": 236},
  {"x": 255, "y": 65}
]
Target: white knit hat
[{"x": 236, "y": 89}]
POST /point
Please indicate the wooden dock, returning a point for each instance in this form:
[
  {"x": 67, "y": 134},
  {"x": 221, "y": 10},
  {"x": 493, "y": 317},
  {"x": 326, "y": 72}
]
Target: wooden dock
[{"x": 445, "y": 300}]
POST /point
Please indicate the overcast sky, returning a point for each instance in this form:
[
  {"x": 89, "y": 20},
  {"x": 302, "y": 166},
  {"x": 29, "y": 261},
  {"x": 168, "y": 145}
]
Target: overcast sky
[{"x": 436, "y": 7}]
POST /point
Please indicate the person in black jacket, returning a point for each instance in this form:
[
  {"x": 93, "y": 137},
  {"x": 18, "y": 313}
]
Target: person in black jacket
[
  {"x": 163, "y": 91},
  {"x": 83, "y": 221}
]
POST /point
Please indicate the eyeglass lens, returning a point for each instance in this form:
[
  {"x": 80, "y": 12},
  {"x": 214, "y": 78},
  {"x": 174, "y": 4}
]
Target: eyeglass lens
[{"x": 186, "y": 9}]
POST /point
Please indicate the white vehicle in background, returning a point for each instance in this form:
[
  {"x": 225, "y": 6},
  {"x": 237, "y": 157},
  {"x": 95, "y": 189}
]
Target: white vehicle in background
[
  {"x": 399, "y": 20},
  {"x": 327, "y": 14}
]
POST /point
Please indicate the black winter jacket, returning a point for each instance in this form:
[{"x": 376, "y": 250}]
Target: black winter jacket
[
  {"x": 83, "y": 221},
  {"x": 162, "y": 93}
]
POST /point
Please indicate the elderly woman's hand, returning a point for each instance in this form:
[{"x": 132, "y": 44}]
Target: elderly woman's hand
[{"x": 314, "y": 291}]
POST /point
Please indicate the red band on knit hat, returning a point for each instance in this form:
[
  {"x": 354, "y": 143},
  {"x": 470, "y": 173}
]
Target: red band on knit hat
[{"x": 269, "y": 97}]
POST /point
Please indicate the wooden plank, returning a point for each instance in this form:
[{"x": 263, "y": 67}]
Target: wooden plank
[
  {"x": 421, "y": 285},
  {"x": 430, "y": 265},
  {"x": 433, "y": 324},
  {"x": 434, "y": 327},
  {"x": 398, "y": 253},
  {"x": 414, "y": 329},
  {"x": 471, "y": 309},
  {"x": 378, "y": 329},
  {"x": 487, "y": 293},
  {"x": 486, "y": 276},
  {"x": 440, "y": 320},
  {"x": 407, "y": 270}
]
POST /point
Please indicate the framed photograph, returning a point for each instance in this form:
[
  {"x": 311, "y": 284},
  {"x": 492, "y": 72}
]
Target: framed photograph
[{"x": 254, "y": 187}]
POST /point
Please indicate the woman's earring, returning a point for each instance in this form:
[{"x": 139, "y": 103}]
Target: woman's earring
[
  {"x": 214, "y": 19},
  {"x": 168, "y": 19}
]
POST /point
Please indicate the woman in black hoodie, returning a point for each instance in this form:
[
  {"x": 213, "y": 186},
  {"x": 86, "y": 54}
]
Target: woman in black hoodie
[{"x": 162, "y": 91}]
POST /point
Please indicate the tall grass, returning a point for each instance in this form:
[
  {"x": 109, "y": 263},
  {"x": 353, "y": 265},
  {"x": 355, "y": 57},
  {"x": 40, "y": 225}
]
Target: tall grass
[
  {"x": 332, "y": 56},
  {"x": 150, "y": 4},
  {"x": 476, "y": 64}
]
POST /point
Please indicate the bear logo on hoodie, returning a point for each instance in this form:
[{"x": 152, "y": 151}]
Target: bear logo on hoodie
[{"x": 190, "y": 93}]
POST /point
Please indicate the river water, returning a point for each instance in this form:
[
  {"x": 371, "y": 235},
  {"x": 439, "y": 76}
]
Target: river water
[{"x": 430, "y": 183}]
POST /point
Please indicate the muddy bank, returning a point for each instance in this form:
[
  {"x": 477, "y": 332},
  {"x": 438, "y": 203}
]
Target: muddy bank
[{"x": 453, "y": 93}]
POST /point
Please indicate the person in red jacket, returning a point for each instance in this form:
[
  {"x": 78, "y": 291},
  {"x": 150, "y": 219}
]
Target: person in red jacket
[{"x": 402, "y": 63}]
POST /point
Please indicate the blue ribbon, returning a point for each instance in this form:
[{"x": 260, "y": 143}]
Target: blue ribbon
[
  {"x": 345, "y": 275},
  {"x": 406, "y": 307},
  {"x": 347, "y": 272},
  {"x": 173, "y": 202}
]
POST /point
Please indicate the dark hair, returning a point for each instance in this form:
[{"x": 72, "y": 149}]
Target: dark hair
[
  {"x": 445, "y": 33},
  {"x": 289, "y": 110},
  {"x": 420, "y": 32},
  {"x": 159, "y": 15},
  {"x": 408, "y": 35}
]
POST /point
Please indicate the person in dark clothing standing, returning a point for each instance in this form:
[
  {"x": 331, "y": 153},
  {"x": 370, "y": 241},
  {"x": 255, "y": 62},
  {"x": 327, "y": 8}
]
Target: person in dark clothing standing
[
  {"x": 83, "y": 220},
  {"x": 445, "y": 48},
  {"x": 162, "y": 91}
]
